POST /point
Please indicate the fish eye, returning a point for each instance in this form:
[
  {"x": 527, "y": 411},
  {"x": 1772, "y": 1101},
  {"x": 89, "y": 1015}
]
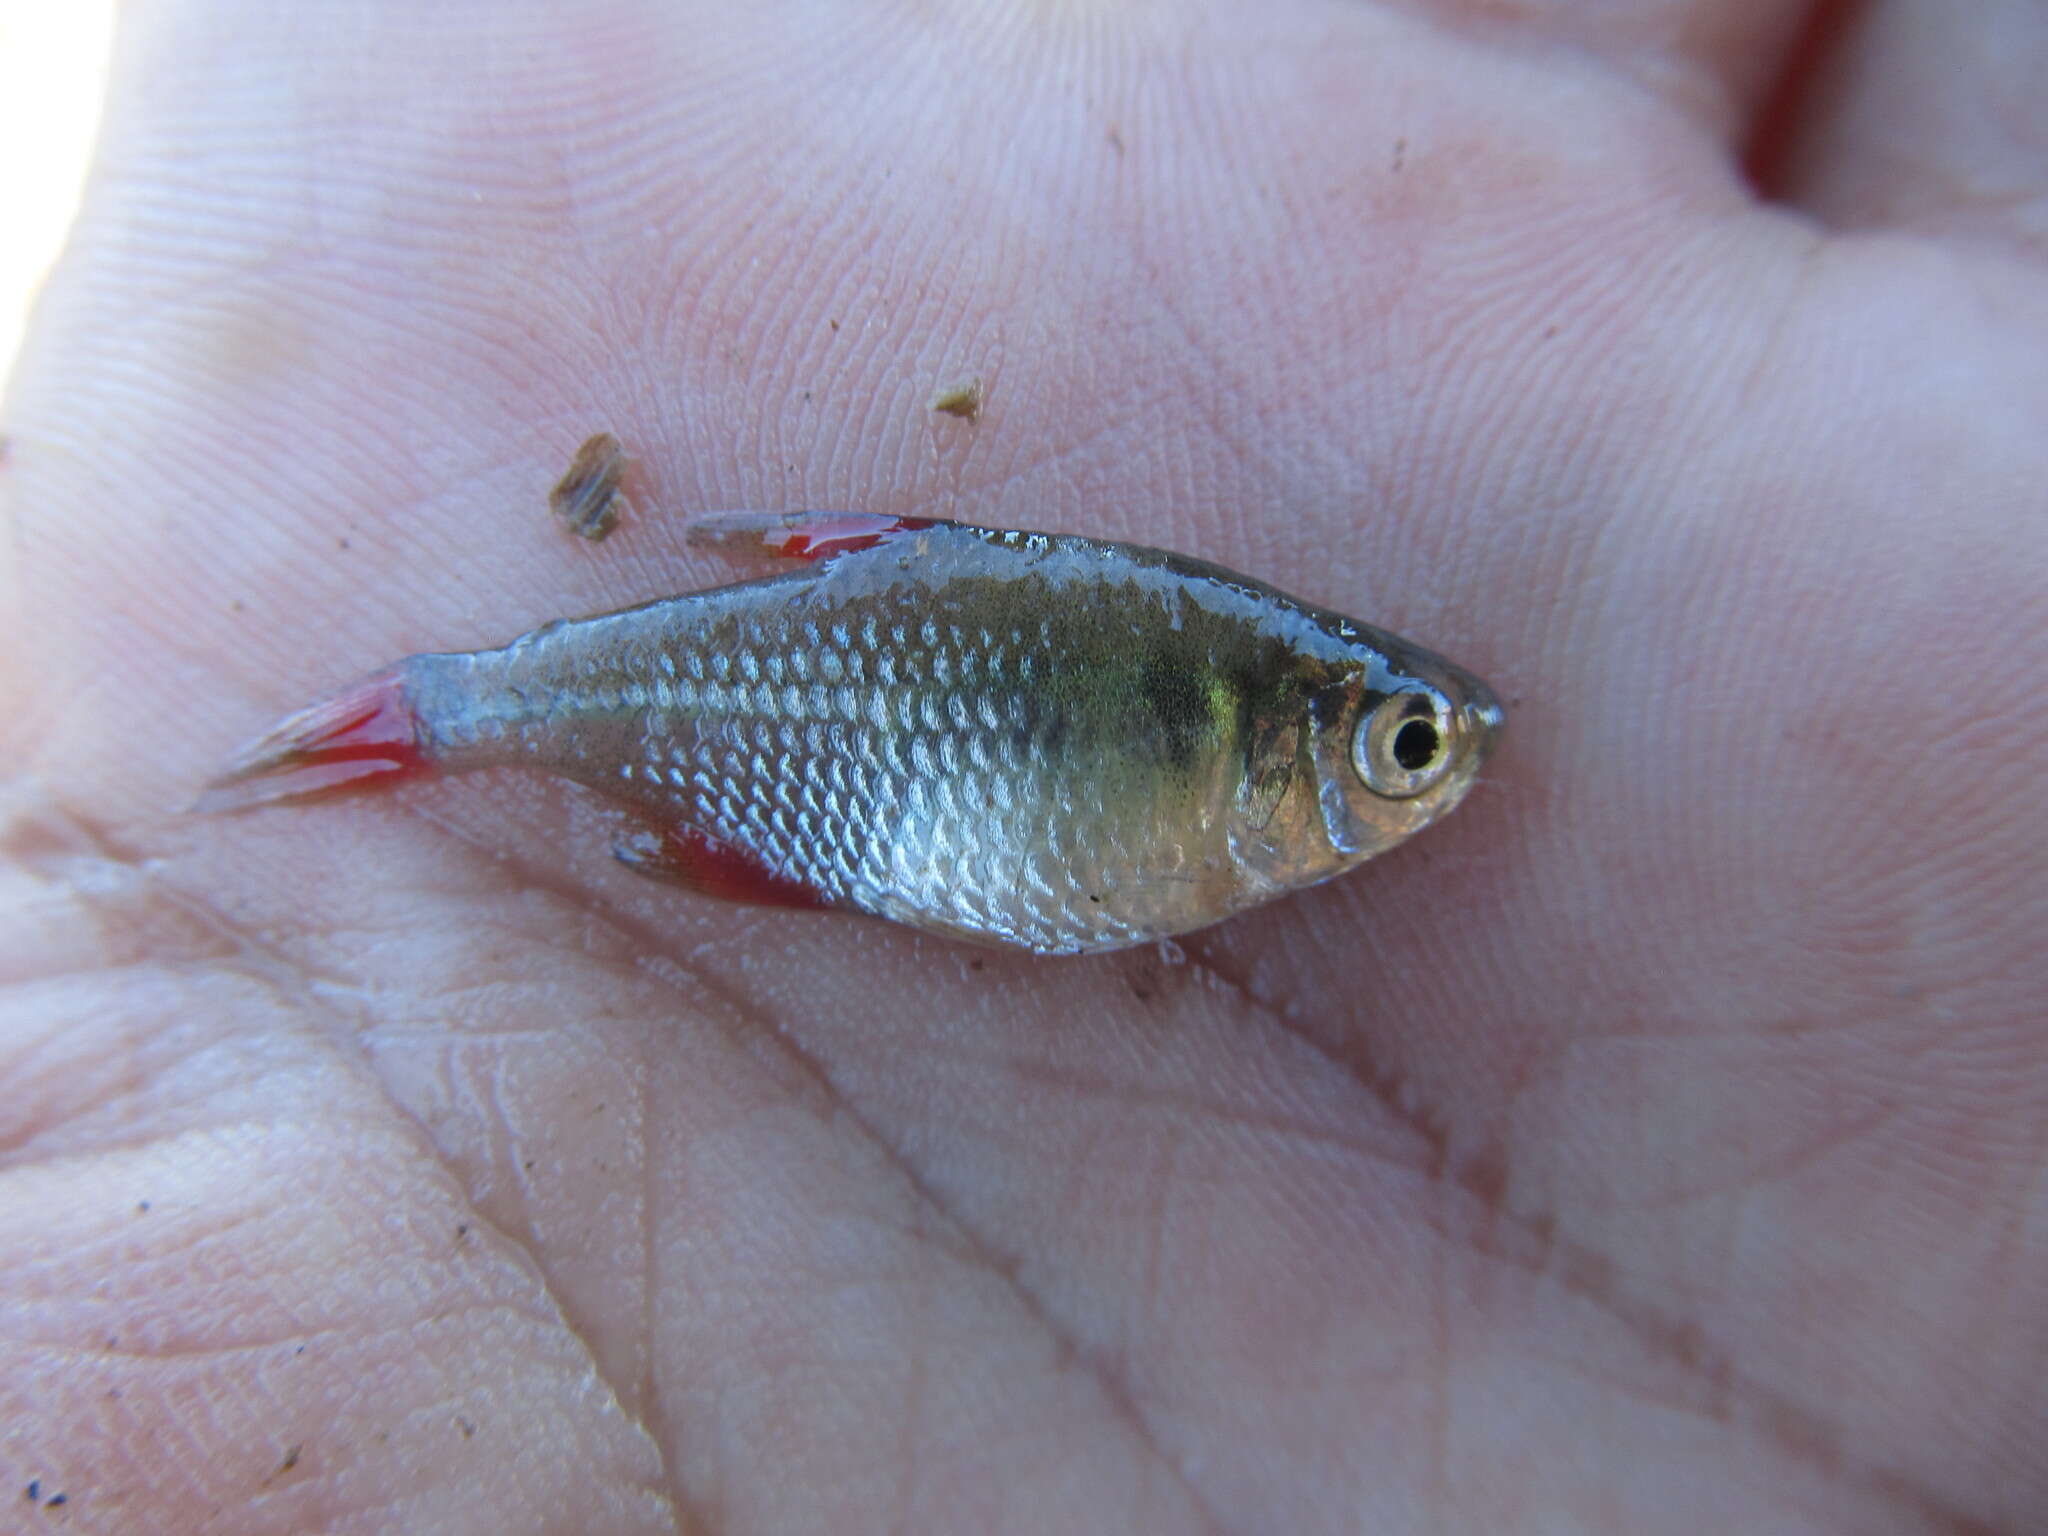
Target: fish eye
[
  {"x": 1416, "y": 745},
  {"x": 1402, "y": 744}
]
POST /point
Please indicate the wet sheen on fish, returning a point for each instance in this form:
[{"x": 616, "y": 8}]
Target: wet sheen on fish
[{"x": 1041, "y": 740}]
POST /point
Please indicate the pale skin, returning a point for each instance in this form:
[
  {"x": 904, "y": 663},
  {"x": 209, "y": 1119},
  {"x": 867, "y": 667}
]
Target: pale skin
[{"x": 1658, "y": 1145}]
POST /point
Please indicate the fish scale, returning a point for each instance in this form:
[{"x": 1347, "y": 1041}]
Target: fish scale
[{"x": 898, "y": 773}]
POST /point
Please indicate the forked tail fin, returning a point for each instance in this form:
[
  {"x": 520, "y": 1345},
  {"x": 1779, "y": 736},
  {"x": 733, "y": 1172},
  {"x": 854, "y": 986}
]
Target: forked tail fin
[{"x": 363, "y": 735}]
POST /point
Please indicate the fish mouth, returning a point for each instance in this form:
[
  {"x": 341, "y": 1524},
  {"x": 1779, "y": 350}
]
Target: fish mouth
[
  {"x": 1481, "y": 718},
  {"x": 1484, "y": 717}
]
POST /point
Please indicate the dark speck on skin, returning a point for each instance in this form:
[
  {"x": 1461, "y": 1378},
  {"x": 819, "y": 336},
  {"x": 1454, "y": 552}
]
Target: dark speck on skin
[
  {"x": 142, "y": 1207},
  {"x": 586, "y": 499},
  {"x": 34, "y": 1490},
  {"x": 56, "y": 1499}
]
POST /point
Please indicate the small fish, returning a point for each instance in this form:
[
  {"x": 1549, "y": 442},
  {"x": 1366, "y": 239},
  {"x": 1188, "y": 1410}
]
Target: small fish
[{"x": 1040, "y": 740}]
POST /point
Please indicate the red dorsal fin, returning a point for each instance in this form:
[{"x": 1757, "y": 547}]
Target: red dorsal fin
[
  {"x": 700, "y": 862},
  {"x": 365, "y": 734},
  {"x": 802, "y": 535}
]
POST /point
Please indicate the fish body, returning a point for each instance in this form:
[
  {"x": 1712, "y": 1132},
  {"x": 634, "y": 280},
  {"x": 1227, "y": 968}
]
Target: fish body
[{"x": 1047, "y": 741}]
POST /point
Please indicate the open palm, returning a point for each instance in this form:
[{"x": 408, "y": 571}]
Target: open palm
[{"x": 1659, "y": 1145}]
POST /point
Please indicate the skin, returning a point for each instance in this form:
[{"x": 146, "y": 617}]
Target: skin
[{"x": 1659, "y": 1145}]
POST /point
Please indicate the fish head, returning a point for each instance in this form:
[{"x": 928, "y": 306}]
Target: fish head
[
  {"x": 1383, "y": 739},
  {"x": 1398, "y": 738}
]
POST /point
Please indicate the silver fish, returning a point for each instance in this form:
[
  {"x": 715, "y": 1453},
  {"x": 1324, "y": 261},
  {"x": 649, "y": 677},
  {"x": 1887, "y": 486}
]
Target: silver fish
[{"x": 1041, "y": 740}]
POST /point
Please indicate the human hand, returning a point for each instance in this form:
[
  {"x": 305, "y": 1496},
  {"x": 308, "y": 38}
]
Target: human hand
[{"x": 1655, "y": 1146}]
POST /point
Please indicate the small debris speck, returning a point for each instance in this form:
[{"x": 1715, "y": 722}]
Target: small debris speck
[
  {"x": 586, "y": 499},
  {"x": 34, "y": 1491},
  {"x": 56, "y": 1499},
  {"x": 468, "y": 1429},
  {"x": 962, "y": 400},
  {"x": 291, "y": 1458},
  {"x": 142, "y": 1207},
  {"x": 461, "y": 1230}
]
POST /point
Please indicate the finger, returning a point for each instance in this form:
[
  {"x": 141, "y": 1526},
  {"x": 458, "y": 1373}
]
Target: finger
[{"x": 1913, "y": 113}]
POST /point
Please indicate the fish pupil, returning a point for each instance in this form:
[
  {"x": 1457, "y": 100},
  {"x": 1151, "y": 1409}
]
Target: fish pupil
[{"x": 1416, "y": 745}]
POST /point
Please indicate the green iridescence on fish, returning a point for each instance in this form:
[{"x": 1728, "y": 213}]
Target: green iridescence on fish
[{"x": 1041, "y": 740}]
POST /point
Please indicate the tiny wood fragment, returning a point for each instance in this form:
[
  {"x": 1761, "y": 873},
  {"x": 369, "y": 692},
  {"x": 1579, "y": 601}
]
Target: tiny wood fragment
[
  {"x": 962, "y": 400},
  {"x": 586, "y": 499}
]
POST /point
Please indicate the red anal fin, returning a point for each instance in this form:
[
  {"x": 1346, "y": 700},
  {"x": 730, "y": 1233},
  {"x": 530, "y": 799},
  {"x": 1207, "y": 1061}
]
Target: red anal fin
[
  {"x": 365, "y": 735},
  {"x": 702, "y": 863},
  {"x": 802, "y": 535}
]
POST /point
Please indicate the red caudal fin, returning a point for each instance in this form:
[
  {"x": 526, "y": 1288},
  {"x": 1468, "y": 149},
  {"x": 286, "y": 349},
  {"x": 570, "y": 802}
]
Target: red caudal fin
[
  {"x": 363, "y": 735},
  {"x": 801, "y": 535},
  {"x": 697, "y": 861}
]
